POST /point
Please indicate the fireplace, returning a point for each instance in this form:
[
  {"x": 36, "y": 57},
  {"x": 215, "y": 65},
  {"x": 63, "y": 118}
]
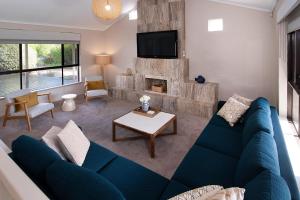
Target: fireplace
[{"x": 158, "y": 85}]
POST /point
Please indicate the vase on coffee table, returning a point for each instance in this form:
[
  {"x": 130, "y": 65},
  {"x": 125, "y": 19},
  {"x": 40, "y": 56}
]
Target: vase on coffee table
[{"x": 145, "y": 103}]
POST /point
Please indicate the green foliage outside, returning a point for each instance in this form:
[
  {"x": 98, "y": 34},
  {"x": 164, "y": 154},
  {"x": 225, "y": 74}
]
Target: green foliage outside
[
  {"x": 47, "y": 55},
  {"x": 9, "y": 57}
]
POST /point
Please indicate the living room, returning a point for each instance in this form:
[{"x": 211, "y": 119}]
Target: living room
[{"x": 88, "y": 89}]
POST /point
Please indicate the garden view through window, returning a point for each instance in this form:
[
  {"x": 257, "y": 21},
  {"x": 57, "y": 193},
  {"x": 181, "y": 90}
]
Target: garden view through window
[{"x": 38, "y": 66}]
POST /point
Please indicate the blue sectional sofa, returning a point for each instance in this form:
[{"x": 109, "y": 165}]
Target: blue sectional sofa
[{"x": 251, "y": 155}]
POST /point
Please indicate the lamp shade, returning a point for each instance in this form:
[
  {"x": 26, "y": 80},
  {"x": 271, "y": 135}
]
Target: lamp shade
[
  {"x": 103, "y": 59},
  {"x": 107, "y": 9}
]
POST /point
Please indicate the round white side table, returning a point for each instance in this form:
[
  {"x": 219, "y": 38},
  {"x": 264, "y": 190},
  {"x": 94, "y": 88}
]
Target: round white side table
[{"x": 69, "y": 103}]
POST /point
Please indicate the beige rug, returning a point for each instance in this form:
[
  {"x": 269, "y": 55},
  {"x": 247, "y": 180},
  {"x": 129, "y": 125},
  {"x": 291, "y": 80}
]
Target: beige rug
[{"x": 96, "y": 118}]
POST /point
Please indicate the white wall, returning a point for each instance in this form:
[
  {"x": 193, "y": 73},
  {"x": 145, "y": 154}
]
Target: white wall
[
  {"x": 91, "y": 44},
  {"x": 242, "y": 58},
  {"x": 120, "y": 41}
]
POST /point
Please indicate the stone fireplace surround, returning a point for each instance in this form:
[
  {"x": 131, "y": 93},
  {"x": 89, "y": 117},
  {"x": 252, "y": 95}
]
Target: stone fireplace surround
[{"x": 182, "y": 95}]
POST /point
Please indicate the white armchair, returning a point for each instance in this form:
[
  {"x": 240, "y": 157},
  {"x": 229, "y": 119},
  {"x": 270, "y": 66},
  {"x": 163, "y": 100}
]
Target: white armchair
[
  {"x": 28, "y": 112},
  {"x": 89, "y": 94}
]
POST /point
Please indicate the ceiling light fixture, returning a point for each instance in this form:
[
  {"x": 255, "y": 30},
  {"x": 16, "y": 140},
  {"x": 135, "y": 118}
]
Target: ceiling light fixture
[
  {"x": 107, "y": 9},
  {"x": 107, "y": 6}
]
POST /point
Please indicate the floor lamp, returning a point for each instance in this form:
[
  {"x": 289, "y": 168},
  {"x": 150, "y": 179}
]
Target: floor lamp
[{"x": 103, "y": 60}]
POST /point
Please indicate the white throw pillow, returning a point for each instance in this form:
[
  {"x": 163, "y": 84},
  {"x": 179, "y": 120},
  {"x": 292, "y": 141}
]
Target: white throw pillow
[
  {"x": 243, "y": 100},
  {"x": 232, "y": 111},
  {"x": 229, "y": 194},
  {"x": 74, "y": 143},
  {"x": 51, "y": 140},
  {"x": 201, "y": 193}
]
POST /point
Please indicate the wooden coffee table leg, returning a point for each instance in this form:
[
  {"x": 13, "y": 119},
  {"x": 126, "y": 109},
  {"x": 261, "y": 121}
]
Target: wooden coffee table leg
[
  {"x": 152, "y": 146},
  {"x": 113, "y": 132},
  {"x": 175, "y": 126}
]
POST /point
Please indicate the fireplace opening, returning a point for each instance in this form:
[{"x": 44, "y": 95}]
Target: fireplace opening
[{"x": 156, "y": 85}]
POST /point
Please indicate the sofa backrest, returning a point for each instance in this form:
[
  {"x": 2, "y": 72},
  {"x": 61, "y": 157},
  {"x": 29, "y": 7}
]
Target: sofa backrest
[
  {"x": 267, "y": 186},
  {"x": 69, "y": 181},
  {"x": 259, "y": 154},
  {"x": 260, "y": 120},
  {"x": 34, "y": 157}
]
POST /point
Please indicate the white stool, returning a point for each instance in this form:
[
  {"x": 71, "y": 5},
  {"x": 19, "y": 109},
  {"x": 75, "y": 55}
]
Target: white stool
[{"x": 69, "y": 103}]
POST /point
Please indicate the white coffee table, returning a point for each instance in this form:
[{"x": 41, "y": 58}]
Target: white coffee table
[
  {"x": 69, "y": 103},
  {"x": 146, "y": 126}
]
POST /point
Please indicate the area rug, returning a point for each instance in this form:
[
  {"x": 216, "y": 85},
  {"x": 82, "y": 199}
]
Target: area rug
[{"x": 95, "y": 118}]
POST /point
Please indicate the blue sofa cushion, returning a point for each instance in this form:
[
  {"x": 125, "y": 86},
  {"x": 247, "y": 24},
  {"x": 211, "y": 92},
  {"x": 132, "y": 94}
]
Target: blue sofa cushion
[
  {"x": 202, "y": 166},
  {"x": 220, "y": 121},
  {"x": 68, "y": 181},
  {"x": 231, "y": 144},
  {"x": 258, "y": 104},
  {"x": 174, "y": 188},
  {"x": 97, "y": 157},
  {"x": 33, "y": 156},
  {"x": 259, "y": 154},
  {"x": 267, "y": 186},
  {"x": 133, "y": 180},
  {"x": 260, "y": 120}
]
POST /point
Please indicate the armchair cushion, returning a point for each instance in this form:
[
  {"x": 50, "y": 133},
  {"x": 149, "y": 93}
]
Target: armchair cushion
[
  {"x": 31, "y": 100},
  {"x": 11, "y": 97},
  {"x": 96, "y": 93},
  {"x": 95, "y": 85},
  {"x": 36, "y": 110}
]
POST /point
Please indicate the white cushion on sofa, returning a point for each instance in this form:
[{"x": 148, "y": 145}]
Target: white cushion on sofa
[
  {"x": 51, "y": 139},
  {"x": 201, "y": 193},
  {"x": 229, "y": 194},
  {"x": 74, "y": 143},
  {"x": 232, "y": 111},
  {"x": 243, "y": 100}
]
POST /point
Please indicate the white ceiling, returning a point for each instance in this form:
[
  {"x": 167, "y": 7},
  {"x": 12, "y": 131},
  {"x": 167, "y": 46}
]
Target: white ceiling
[
  {"x": 264, "y": 5},
  {"x": 65, "y": 13},
  {"x": 78, "y": 13}
]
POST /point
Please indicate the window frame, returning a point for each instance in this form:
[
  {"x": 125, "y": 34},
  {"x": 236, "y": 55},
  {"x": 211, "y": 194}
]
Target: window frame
[{"x": 62, "y": 67}]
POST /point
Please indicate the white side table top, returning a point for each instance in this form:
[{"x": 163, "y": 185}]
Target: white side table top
[
  {"x": 143, "y": 123},
  {"x": 69, "y": 96}
]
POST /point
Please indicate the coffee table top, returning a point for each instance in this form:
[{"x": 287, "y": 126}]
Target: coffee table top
[{"x": 145, "y": 124}]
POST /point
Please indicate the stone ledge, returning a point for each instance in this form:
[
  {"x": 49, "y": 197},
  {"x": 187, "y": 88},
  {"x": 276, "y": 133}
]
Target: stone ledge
[{"x": 167, "y": 103}]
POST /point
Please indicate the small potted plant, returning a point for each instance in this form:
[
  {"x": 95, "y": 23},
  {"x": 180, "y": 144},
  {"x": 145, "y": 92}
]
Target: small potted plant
[{"x": 145, "y": 102}]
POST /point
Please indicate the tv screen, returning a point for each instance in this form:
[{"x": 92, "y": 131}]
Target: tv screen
[{"x": 157, "y": 44}]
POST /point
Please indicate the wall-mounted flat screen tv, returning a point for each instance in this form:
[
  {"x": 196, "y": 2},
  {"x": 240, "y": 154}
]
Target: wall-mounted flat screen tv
[{"x": 157, "y": 44}]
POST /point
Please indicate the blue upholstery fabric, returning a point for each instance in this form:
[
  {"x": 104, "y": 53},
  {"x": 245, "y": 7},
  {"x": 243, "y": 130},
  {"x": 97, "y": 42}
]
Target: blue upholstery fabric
[
  {"x": 258, "y": 104},
  {"x": 97, "y": 157},
  {"x": 259, "y": 154},
  {"x": 174, "y": 188},
  {"x": 267, "y": 186},
  {"x": 68, "y": 181},
  {"x": 231, "y": 144},
  {"x": 260, "y": 120},
  {"x": 221, "y": 122},
  {"x": 33, "y": 156},
  {"x": 286, "y": 170},
  {"x": 202, "y": 166},
  {"x": 133, "y": 180}
]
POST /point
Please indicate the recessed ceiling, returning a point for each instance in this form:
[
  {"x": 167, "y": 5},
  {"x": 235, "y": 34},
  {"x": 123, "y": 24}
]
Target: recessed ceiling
[
  {"x": 264, "y": 5},
  {"x": 64, "y": 13}
]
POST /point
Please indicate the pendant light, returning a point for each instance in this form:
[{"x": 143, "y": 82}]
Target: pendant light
[{"x": 107, "y": 9}]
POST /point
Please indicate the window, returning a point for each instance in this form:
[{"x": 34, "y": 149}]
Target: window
[
  {"x": 38, "y": 66},
  {"x": 215, "y": 25}
]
